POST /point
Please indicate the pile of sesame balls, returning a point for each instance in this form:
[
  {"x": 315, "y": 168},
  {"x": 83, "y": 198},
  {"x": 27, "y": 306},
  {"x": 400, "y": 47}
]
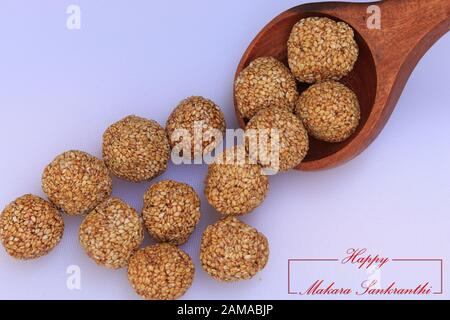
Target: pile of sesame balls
[{"x": 321, "y": 51}]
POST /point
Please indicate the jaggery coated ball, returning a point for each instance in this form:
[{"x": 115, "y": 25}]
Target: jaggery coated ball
[
  {"x": 136, "y": 149},
  {"x": 329, "y": 110},
  {"x": 235, "y": 185},
  {"x": 283, "y": 135},
  {"x": 232, "y": 250},
  {"x": 171, "y": 211},
  {"x": 161, "y": 272},
  {"x": 265, "y": 83},
  {"x": 76, "y": 182},
  {"x": 196, "y": 116},
  {"x": 30, "y": 227},
  {"x": 111, "y": 233},
  {"x": 321, "y": 49}
]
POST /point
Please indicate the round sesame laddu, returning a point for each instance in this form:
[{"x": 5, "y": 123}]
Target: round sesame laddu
[
  {"x": 30, "y": 227},
  {"x": 136, "y": 149},
  {"x": 232, "y": 250},
  {"x": 111, "y": 233},
  {"x": 265, "y": 83},
  {"x": 171, "y": 211},
  {"x": 235, "y": 185},
  {"x": 330, "y": 111},
  {"x": 76, "y": 182},
  {"x": 321, "y": 49},
  {"x": 161, "y": 272},
  {"x": 199, "y": 118}
]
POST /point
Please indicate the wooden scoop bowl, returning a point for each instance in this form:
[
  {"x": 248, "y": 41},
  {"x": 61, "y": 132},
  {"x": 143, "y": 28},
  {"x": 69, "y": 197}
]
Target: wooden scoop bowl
[{"x": 386, "y": 59}]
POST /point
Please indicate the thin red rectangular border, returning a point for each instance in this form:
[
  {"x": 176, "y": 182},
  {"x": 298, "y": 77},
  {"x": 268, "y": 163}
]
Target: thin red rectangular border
[{"x": 441, "y": 262}]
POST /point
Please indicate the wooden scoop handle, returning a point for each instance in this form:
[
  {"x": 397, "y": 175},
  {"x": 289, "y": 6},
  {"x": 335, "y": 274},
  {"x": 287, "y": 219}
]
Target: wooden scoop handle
[{"x": 408, "y": 29}]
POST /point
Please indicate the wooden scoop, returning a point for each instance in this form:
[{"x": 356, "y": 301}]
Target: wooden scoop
[{"x": 386, "y": 59}]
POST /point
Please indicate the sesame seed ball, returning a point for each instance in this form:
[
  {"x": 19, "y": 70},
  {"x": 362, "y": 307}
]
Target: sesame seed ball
[
  {"x": 76, "y": 182},
  {"x": 136, "y": 149},
  {"x": 292, "y": 136},
  {"x": 30, "y": 227},
  {"x": 232, "y": 250},
  {"x": 187, "y": 115},
  {"x": 329, "y": 110},
  {"x": 266, "y": 82},
  {"x": 321, "y": 49},
  {"x": 111, "y": 233},
  {"x": 235, "y": 187},
  {"x": 161, "y": 272},
  {"x": 171, "y": 211}
]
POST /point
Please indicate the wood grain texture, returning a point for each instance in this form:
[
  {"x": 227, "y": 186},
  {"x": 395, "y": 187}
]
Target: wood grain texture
[{"x": 387, "y": 58}]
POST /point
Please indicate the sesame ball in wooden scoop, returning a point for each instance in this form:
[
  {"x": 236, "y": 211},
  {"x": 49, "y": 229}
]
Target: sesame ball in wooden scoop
[
  {"x": 329, "y": 110},
  {"x": 282, "y": 137},
  {"x": 321, "y": 49},
  {"x": 265, "y": 83}
]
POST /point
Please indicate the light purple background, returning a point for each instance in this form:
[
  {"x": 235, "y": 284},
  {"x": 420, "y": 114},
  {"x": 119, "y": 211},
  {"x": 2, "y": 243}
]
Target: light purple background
[{"x": 60, "y": 89}]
